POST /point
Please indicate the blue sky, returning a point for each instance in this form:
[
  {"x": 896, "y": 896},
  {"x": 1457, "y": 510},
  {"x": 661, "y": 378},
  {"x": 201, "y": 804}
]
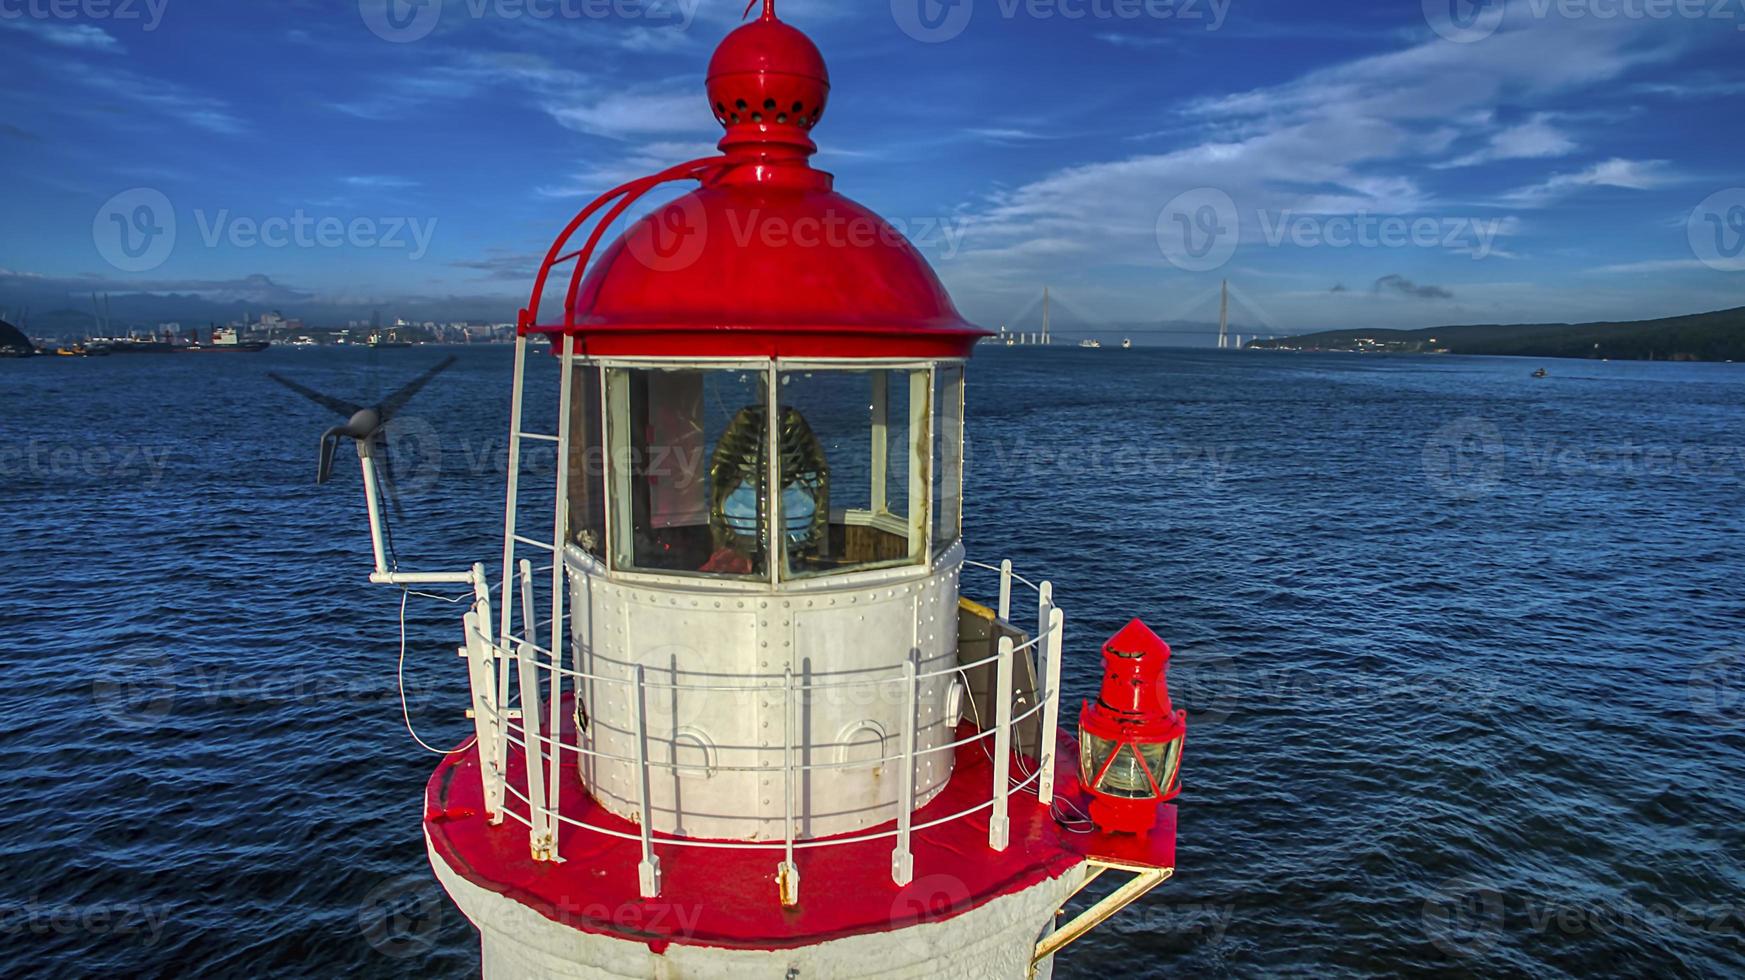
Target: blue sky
[{"x": 1390, "y": 164}]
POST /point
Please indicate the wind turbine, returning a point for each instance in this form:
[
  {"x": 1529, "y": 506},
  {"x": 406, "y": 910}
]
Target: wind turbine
[{"x": 366, "y": 426}]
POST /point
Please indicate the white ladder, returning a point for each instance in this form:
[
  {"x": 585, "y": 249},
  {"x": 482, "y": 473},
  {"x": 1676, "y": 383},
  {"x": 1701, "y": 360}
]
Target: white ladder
[{"x": 543, "y": 833}]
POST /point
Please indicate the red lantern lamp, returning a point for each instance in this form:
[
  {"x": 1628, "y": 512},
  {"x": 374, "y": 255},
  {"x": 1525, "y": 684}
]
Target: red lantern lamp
[{"x": 1130, "y": 739}]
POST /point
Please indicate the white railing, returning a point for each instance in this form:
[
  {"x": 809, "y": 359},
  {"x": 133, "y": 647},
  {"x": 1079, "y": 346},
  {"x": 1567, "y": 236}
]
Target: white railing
[{"x": 499, "y": 724}]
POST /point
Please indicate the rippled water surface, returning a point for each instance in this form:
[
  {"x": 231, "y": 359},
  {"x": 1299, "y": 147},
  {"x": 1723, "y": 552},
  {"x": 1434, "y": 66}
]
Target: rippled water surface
[{"x": 1464, "y": 653}]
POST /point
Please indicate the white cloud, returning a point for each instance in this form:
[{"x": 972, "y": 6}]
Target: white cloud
[
  {"x": 82, "y": 36},
  {"x": 1534, "y": 139},
  {"x": 620, "y": 167},
  {"x": 626, "y": 114},
  {"x": 167, "y": 98},
  {"x": 1639, "y": 175},
  {"x": 380, "y": 181},
  {"x": 1651, "y": 265}
]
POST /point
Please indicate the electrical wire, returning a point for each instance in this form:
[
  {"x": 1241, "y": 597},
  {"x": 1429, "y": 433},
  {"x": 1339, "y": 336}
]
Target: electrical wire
[
  {"x": 406, "y": 715},
  {"x": 1076, "y": 821}
]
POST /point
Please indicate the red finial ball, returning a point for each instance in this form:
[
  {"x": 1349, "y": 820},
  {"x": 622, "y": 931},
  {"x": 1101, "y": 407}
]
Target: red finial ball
[{"x": 767, "y": 84}]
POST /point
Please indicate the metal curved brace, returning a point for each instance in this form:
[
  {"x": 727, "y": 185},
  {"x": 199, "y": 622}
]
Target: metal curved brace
[{"x": 641, "y": 185}]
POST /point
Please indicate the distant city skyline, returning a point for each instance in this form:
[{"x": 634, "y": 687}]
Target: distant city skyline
[{"x": 1407, "y": 166}]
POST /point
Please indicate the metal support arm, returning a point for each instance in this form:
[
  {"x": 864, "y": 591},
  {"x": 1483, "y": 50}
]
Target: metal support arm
[{"x": 1143, "y": 880}]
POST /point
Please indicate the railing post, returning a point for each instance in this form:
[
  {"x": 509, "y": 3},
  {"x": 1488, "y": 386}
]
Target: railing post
[
  {"x": 485, "y": 710},
  {"x": 1044, "y": 605},
  {"x": 902, "y": 859},
  {"x": 498, "y": 683},
  {"x": 541, "y": 830},
  {"x": 1050, "y": 737},
  {"x": 648, "y": 871},
  {"x": 999, "y": 825},
  {"x": 514, "y": 466},
  {"x": 559, "y": 537},
  {"x": 788, "y": 873},
  {"x": 1005, "y": 589}
]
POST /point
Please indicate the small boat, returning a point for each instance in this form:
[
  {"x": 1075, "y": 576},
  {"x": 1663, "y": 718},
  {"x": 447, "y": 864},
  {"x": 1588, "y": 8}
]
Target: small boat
[
  {"x": 227, "y": 340},
  {"x": 1540, "y": 373},
  {"x": 391, "y": 339},
  {"x": 1091, "y": 343}
]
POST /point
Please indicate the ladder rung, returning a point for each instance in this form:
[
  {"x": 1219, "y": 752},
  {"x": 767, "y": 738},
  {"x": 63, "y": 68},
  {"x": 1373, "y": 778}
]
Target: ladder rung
[
  {"x": 534, "y": 544},
  {"x": 542, "y": 437}
]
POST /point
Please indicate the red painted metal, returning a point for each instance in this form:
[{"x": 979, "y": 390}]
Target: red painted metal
[
  {"x": 765, "y": 259},
  {"x": 1133, "y": 709},
  {"x": 726, "y": 897}
]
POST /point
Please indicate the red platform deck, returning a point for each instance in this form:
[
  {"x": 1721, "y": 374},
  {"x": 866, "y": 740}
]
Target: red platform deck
[{"x": 726, "y": 897}]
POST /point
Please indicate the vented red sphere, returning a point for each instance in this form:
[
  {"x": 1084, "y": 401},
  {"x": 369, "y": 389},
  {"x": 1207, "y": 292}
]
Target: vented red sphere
[{"x": 767, "y": 83}]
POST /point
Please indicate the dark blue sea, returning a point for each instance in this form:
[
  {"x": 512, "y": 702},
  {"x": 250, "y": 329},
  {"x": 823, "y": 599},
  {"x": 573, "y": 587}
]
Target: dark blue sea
[{"x": 1464, "y": 654}]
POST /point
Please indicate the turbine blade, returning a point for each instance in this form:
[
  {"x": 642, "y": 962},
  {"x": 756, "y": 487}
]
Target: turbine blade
[
  {"x": 393, "y": 403},
  {"x": 325, "y": 401},
  {"x": 324, "y": 464}
]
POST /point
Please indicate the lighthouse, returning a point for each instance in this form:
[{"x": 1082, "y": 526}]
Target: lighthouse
[{"x": 742, "y": 704}]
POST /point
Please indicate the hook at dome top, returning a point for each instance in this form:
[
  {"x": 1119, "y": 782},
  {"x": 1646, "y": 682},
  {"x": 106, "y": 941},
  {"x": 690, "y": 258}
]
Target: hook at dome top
[{"x": 769, "y": 9}]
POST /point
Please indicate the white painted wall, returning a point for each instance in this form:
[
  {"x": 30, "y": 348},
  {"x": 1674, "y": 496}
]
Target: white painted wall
[
  {"x": 993, "y": 941},
  {"x": 702, "y": 633}
]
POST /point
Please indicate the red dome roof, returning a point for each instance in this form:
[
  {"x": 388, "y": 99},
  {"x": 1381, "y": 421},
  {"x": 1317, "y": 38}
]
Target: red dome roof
[
  {"x": 732, "y": 269},
  {"x": 765, "y": 259}
]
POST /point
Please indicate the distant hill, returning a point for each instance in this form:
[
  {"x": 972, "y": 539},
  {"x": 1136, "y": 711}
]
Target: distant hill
[{"x": 1717, "y": 336}]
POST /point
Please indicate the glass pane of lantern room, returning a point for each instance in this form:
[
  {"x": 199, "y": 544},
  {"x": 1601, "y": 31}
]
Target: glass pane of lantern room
[
  {"x": 948, "y": 456},
  {"x": 687, "y": 453},
  {"x": 586, "y": 470},
  {"x": 854, "y": 464}
]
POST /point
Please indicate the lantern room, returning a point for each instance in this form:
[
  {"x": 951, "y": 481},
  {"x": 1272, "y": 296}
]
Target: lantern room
[{"x": 763, "y": 390}]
